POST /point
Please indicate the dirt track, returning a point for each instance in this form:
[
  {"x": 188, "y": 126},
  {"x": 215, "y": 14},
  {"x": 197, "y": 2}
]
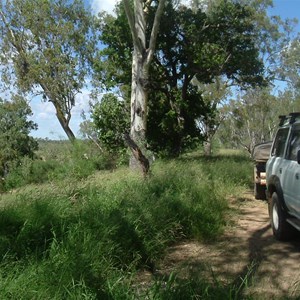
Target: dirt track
[{"x": 247, "y": 250}]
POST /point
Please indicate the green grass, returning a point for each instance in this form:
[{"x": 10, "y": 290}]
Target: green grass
[
  {"x": 86, "y": 238},
  {"x": 57, "y": 161}
]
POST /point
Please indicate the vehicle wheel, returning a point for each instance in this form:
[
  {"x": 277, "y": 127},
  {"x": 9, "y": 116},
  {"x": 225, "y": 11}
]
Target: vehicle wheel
[
  {"x": 260, "y": 191},
  {"x": 281, "y": 229}
]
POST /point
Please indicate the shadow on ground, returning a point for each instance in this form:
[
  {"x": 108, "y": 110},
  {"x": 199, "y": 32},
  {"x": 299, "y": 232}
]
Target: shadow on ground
[{"x": 247, "y": 259}]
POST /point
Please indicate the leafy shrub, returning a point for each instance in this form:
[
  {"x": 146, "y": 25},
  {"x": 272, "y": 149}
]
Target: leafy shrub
[
  {"x": 26, "y": 171},
  {"x": 78, "y": 161},
  {"x": 111, "y": 120}
]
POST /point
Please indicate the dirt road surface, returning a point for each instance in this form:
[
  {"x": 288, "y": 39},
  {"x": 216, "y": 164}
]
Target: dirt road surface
[{"x": 248, "y": 251}]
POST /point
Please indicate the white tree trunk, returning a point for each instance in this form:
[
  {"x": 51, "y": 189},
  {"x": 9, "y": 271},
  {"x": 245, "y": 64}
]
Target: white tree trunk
[
  {"x": 141, "y": 59},
  {"x": 139, "y": 99},
  {"x": 207, "y": 147}
]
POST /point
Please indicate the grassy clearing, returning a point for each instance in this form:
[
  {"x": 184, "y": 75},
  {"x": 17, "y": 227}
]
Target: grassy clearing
[{"x": 87, "y": 238}]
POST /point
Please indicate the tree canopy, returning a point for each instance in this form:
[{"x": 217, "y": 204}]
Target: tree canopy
[
  {"x": 45, "y": 47},
  {"x": 14, "y": 131},
  {"x": 191, "y": 44}
]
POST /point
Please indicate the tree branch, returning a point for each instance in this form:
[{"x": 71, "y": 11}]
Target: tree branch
[
  {"x": 18, "y": 47},
  {"x": 131, "y": 20},
  {"x": 154, "y": 31}
]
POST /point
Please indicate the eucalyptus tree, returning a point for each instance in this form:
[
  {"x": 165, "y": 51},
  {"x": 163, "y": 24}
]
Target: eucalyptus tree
[
  {"x": 190, "y": 44},
  {"x": 142, "y": 56},
  {"x": 290, "y": 59},
  {"x": 214, "y": 96},
  {"x": 45, "y": 46},
  {"x": 252, "y": 118},
  {"x": 274, "y": 35}
]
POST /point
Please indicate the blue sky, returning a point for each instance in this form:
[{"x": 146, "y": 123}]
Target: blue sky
[
  {"x": 286, "y": 8},
  {"x": 44, "y": 113}
]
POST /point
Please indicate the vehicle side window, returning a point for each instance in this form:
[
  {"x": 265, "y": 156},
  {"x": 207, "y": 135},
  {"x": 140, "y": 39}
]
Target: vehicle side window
[
  {"x": 295, "y": 144},
  {"x": 279, "y": 144}
]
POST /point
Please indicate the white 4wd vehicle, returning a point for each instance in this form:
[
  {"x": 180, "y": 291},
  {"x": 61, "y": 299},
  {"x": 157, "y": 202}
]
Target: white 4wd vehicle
[{"x": 283, "y": 178}]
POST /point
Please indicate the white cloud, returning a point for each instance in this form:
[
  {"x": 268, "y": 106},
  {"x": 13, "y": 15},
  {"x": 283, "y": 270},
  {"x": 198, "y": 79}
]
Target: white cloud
[
  {"x": 43, "y": 116},
  {"x": 46, "y": 107},
  {"x": 81, "y": 102},
  {"x": 103, "y": 5},
  {"x": 109, "y": 5}
]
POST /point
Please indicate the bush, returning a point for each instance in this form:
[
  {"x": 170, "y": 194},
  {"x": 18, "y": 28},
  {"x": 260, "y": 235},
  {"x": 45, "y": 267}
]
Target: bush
[
  {"x": 26, "y": 171},
  {"x": 78, "y": 161}
]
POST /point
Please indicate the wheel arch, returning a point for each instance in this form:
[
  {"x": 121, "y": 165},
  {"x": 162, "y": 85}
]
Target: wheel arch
[{"x": 274, "y": 185}]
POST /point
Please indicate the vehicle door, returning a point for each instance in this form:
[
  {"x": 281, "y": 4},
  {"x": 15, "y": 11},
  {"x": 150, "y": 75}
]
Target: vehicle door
[{"x": 291, "y": 179}]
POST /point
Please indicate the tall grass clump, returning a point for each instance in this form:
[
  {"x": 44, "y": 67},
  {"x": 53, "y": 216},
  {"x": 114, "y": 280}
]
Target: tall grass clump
[
  {"x": 176, "y": 287},
  {"x": 88, "y": 240}
]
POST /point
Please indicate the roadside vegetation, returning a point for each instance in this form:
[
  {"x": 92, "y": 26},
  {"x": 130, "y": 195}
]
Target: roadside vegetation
[
  {"x": 171, "y": 81},
  {"x": 87, "y": 237}
]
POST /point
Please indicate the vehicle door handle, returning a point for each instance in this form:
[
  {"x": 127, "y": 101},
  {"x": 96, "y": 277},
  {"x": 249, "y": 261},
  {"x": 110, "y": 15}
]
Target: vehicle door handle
[
  {"x": 280, "y": 170},
  {"x": 297, "y": 176}
]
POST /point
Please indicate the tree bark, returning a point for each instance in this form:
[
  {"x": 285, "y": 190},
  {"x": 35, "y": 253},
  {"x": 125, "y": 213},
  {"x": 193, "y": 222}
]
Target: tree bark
[
  {"x": 66, "y": 129},
  {"x": 64, "y": 123},
  {"x": 207, "y": 147},
  {"x": 139, "y": 100},
  {"x": 138, "y": 154},
  {"x": 141, "y": 59}
]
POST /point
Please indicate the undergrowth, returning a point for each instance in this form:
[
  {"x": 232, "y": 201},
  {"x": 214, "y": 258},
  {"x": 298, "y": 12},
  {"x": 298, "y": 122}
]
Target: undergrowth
[{"x": 87, "y": 239}]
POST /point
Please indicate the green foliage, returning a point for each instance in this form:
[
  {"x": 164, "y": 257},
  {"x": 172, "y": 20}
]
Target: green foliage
[
  {"x": 82, "y": 159},
  {"x": 14, "y": 132},
  {"x": 191, "y": 43},
  {"x": 172, "y": 129},
  {"x": 28, "y": 170},
  {"x": 241, "y": 128},
  {"x": 111, "y": 120},
  {"x": 290, "y": 62},
  {"x": 47, "y": 46},
  {"x": 67, "y": 160},
  {"x": 86, "y": 240}
]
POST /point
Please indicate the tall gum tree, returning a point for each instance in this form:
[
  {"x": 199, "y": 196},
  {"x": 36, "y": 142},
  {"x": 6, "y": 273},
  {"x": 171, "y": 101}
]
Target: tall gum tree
[
  {"x": 190, "y": 44},
  {"x": 45, "y": 47},
  {"x": 142, "y": 56}
]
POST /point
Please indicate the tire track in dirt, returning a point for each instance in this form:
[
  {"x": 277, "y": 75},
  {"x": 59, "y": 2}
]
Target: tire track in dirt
[{"x": 246, "y": 250}]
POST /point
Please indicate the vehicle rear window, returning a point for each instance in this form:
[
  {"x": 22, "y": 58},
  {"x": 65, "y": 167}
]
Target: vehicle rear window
[{"x": 279, "y": 143}]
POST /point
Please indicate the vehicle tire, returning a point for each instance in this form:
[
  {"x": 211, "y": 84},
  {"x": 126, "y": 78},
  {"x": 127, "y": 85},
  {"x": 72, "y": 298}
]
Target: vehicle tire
[
  {"x": 260, "y": 191},
  {"x": 281, "y": 229}
]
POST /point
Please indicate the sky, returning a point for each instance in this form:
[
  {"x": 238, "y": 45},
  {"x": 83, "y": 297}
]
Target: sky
[{"x": 44, "y": 113}]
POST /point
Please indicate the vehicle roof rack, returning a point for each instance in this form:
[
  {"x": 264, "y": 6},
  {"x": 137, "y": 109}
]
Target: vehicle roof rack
[
  {"x": 289, "y": 119},
  {"x": 282, "y": 119},
  {"x": 293, "y": 117}
]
